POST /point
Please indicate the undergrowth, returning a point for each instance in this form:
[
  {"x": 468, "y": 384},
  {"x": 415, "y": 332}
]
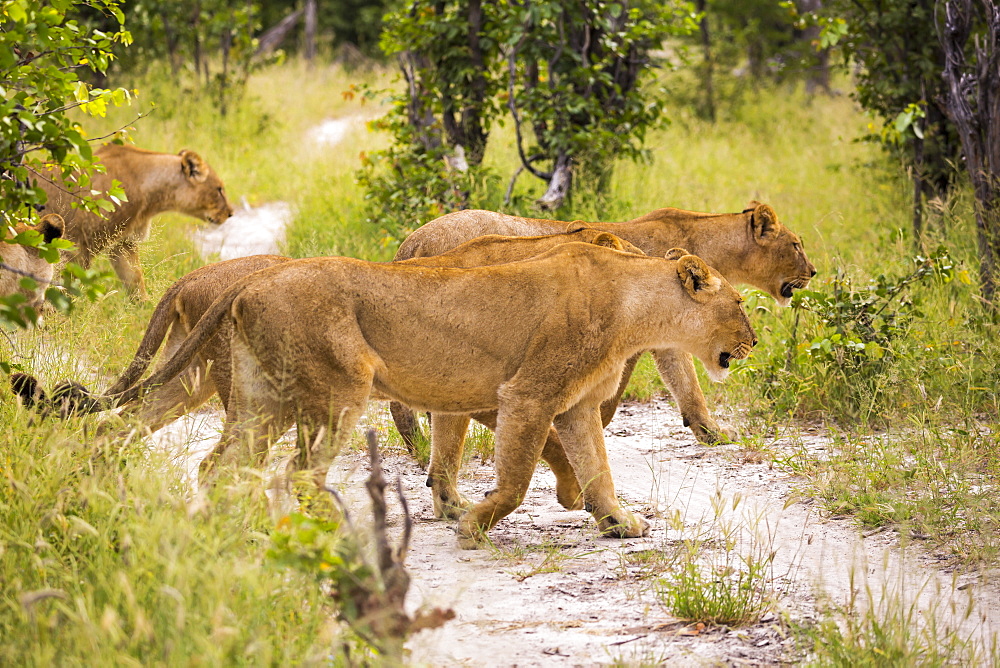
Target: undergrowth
[{"x": 105, "y": 560}]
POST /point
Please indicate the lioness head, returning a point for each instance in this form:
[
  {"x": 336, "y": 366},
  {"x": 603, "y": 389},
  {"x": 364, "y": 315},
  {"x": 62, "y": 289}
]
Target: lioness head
[
  {"x": 202, "y": 194},
  {"x": 779, "y": 250},
  {"x": 721, "y": 330}
]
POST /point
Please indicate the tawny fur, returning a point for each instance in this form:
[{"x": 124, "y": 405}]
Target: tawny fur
[
  {"x": 154, "y": 183},
  {"x": 750, "y": 247},
  {"x": 538, "y": 341},
  {"x": 26, "y": 259},
  {"x": 189, "y": 298}
]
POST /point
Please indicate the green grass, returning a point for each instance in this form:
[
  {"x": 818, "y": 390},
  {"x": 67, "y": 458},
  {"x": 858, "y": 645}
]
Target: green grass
[
  {"x": 894, "y": 631},
  {"x": 720, "y": 574},
  {"x": 107, "y": 560},
  {"x": 917, "y": 446}
]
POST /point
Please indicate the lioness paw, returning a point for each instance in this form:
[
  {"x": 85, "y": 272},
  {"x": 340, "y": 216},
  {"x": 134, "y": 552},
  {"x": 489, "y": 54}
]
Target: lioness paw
[
  {"x": 625, "y": 525},
  {"x": 471, "y": 536},
  {"x": 712, "y": 433},
  {"x": 450, "y": 506}
]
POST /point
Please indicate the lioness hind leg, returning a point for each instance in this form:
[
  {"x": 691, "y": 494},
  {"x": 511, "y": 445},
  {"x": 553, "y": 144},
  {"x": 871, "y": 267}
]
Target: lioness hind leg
[
  {"x": 125, "y": 260},
  {"x": 258, "y": 414},
  {"x": 582, "y": 434},
  {"x": 447, "y": 445},
  {"x": 568, "y": 491},
  {"x": 407, "y": 425},
  {"x": 323, "y": 433},
  {"x": 677, "y": 371},
  {"x": 520, "y": 437}
]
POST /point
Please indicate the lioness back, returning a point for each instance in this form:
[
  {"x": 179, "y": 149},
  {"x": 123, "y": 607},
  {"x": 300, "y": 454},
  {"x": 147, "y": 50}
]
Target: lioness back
[{"x": 751, "y": 246}]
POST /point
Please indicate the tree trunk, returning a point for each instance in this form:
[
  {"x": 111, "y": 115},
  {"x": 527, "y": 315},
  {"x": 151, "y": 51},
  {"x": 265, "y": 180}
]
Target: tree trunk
[
  {"x": 275, "y": 35},
  {"x": 708, "y": 65},
  {"x": 559, "y": 185},
  {"x": 227, "y": 43},
  {"x": 918, "y": 190},
  {"x": 420, "y": 114},
  {"x": 974, "y": 106},
  {"x": 819, "y": 72},
  {"x": 472, "y": 122},
  {"x": 309, "y": 31},
  {"x": 196, "y": 36},
  {"x": 168, "y": 32}
]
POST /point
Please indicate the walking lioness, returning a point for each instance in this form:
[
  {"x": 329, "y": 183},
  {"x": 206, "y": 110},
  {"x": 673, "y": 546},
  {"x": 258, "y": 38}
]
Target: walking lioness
[
  {"x": 189, "y": 298},
  {"x": 542, "y": 342},
  {"x": 750, "y": 247},
  {"x": 154, "y": 183}
]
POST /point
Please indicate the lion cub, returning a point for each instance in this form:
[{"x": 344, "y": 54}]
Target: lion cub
[
  {"x": 154, "y": 183},
  {"x": 19, "y": 260}
]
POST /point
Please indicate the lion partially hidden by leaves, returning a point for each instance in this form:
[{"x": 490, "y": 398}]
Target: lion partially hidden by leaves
[
  {"x": 152, "y": 183},
  {"x": 19, "y": 261}
]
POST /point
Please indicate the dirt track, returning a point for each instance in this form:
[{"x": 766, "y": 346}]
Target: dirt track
[
  {"x": 595, "y": 608},
  {"x": 590, "y": 603}
]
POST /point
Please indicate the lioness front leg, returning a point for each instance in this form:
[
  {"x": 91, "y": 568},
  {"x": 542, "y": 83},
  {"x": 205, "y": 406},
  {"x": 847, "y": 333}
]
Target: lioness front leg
[
  {"x": 520, "y": 436},
  {"x": 125, "y": 259},
  {"x": 677, "y": 371},
  {"x": 447, "y": 444},
  {"x": 582, "y": 435},
  {"x": 568, "y": 491}
]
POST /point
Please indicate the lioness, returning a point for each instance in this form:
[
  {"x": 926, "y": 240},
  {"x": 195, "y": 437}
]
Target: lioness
[
  {"x": 188, "y": 299},
  {"x": 313, "y": 339},
  {"x": 748, "y": 247},
  {"x": 19, "y": 261},
  {"x": 154, "y": 183}
]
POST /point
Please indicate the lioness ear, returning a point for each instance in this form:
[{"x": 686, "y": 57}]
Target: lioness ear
[
  {"x": 763, "y": 221},
  {"x": 696, "y": 277},
  {"x": 608, "y": 241},
  {"x": 193, "y": 167},
  {"x": 576, "y": 226},
  {"x": 675, "y": 253},
  {"x": 51, "y": 227}
]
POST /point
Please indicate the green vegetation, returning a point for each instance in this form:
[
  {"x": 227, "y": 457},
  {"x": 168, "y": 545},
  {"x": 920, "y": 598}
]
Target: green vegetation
[
  {"x": 45, "y": 57},
  {"x": 722, "y": 574},
  {"x": 894, "y": 633},
  {"x": 105, "y": 558}
]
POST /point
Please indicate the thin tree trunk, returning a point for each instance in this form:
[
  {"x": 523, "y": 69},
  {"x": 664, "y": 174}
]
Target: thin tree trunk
[
  {"x": 227, "y": 43},
  {"x": 196, "y": 36},
  {"x": 560, "y": 184},
  {"x": 708, "y": 66},
  {"x": 275, "y": 35},
  {"x": 309, "y": 30},
  {"x": 918, "y": 190},
  {"x": 974, "y": 107},
  {"x": 171, "y": 36}
]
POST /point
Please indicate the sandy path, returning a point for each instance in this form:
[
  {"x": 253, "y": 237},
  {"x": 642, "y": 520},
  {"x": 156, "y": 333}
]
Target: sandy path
[
  {"x": 594, "y": 607},
  {"x": 579, "y": 614},
  {"x": 261, "y": 230}
]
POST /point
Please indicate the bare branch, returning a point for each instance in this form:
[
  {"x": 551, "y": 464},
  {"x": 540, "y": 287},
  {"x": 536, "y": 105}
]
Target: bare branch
[
  {"x": 512, "y": 65},
  {"x": 14, "y": 270}
]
